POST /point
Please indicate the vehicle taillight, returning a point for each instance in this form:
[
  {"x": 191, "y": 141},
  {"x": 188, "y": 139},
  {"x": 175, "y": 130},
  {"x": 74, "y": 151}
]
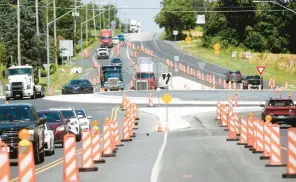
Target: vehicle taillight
[
  {"x": 239, "y": 75},
  {"x": 229, "y": 74}
]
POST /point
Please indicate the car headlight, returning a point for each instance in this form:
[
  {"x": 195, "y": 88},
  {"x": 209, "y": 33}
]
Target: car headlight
[
  {"x": 76, "y": 88},
  {"x": 73, "y": 123},
  {"x": 31, "y": 132},
  {"x": 60, "y": 128}
]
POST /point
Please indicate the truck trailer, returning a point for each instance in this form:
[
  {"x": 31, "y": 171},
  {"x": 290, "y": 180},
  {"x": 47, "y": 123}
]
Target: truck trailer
[{"x": 106, "y": 36}]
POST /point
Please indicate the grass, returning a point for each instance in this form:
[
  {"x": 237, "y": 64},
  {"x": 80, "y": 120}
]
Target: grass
[
  {"x": 246, "y": 66},
  {"x": 60, "y": 77}
]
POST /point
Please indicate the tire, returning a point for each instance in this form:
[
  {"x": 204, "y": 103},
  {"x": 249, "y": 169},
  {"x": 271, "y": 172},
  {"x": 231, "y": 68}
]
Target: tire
[
  {"x": 8, "y": 98},
  {"x": 39, "y": 157},
  {"x": 78, "y": 137},
  {"x": 34, "y": 94},
  {"x": 52, "y": 152}
]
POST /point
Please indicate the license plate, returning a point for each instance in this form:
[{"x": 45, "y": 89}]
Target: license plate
[
  {"x": 281, "y": 116},
  {"x": 83, "y": 124},
  {"x": 5, "y": 149}
]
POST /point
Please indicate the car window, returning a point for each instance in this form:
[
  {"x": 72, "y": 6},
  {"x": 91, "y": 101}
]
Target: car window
[
  {"x": 74, "y": 82},
  {"x": 68, "y": 114},
  {"x": 115, "y": 38},
  {"x": 11, "y": 113},
  {"x": 80, "y": 112},
  {"x": 116, "y": 61},
  {"x": 234, "y": 72},
  {"x": 281, "y": 103},
  {"x": 50, "y": 117},
  {"x": 103, "y": 50}
]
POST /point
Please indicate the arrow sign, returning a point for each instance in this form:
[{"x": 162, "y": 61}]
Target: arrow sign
[
  {"x": 260, "y": 69},
  {"x": 201, "y": 65},
  {"x": 163, "y": 76},
  {"x": 168, "y": 78}
]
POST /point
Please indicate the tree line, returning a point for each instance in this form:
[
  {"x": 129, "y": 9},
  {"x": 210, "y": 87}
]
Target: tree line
[
  {"x": 260, "y": 27},
  {"x": 33, "y": 45}
]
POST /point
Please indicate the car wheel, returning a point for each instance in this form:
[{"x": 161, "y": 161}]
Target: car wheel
[
  {"x": 34, "y": 95},
  {"x": 36, "y": 154},
  {"x": 8, "y": 98},
  {"x": 52, "y": 152},
  {"x": 78, "y": 137}
]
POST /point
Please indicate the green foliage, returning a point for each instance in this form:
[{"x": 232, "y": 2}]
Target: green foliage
[{"x": 252, "y": 26}]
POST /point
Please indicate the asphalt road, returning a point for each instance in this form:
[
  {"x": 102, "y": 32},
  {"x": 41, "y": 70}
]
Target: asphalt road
[
  {"x": 133, "y": 156},
  {"x": 203, "y": 154}
]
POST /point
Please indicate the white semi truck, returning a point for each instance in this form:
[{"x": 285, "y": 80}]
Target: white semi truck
[
  {"x": 21, "y": 83},
  {"x": 133, "y": 26}
]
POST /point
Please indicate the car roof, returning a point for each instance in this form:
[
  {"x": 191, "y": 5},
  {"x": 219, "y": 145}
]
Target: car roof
[
  {"x": 280, "y": 99},
  {"x": 79, "y": 109},
  {"x": 234, "y": 70},
  {"x": 62, "y": 108},
  {"x": 115, "y": 59},
  {"x": 18, "y": 104},
  {"x": 49, "y": 111}
]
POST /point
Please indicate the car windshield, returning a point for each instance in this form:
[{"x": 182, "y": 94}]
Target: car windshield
[
  {"x": 115, "y": 38},
  {"x": 15, "y": 113},
  {"x": 80, "y": 112},
  {"x": 116, "y": 61},
  {"x": 68, "y": 114},
  {"x": 235, "y": 72},
  {"x": 20, "y": 71},
  {"x": 145, "y": 75},
  {"x": 102, "y": 50},
  {"x": 75, "y": 82},
  {"x": 50, "y": 117},
  {"x": 257, "y": 77},
  {"x": 106, "y": 38},
  {"x": 281, "y": 103}
]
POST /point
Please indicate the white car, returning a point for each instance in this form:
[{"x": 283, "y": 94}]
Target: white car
[
  {"x": 102, "y": 53},
  {"x": 115, "y": 40},
  {"x": 85, "y": 120},
  {"x": 74, "y": 124},
  {"x": 49, "y": 140}
]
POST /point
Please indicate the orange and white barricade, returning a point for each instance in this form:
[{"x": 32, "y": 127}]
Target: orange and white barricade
[
  {"x": 218, "y": 110},
  {"x": 5, "y": 163},
  {"x": 150, "y": 100},
  {"x": 71, "y": 172},
  {"x": 126, "y": 136},
  {"x": 243, "y": 140},
  {"x": 237, "y": 124},
  {"x": 96, "y": 144},
  {"x": 87, "y": 155},
  {"x": 250, "y": 136},
  {"x": 275, "y": 159},
  {"x": 117, "y": 134},
  {"x": 224, "y": 116},
  {"x": 107, "y": 139},
  {"x": 259, "y": 124},
  {"x": 291, "y": 154},
  {"x": 231, "y": 132},
  {"x": 26, "y": 162},
  {"x": 266, "y": 146}
]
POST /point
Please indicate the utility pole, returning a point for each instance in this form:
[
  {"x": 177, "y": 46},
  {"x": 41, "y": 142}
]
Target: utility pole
[
  {"x": 86, "y": 27},
  {"x": 100, "y": 16},
  {"x": 74, "y": 36},
  {"x": 18, "y": 33},
  {"x": 115, "y": 10},
  {"x": 55, "y": 31},
  {"x": 109, "y": 21},
  {"x": 37, "y": 17},
  {"x": 95, "y": 29}
]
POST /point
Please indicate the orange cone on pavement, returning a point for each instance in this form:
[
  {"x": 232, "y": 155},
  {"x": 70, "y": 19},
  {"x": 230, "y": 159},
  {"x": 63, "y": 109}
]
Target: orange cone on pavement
[
  {"x": 5, "y": 163},
  {"x": 232, "y": 132},
  {"x": 123, "y": 105},
  {"x": 107, "y": 138},
  {"x": 266, "y": 146},
  {"x": 150, "y": 101},
  {"x": 243, "y": 140},
  {"x": 126, "y": 136},
  {"x": 117, "y": 135},
  {"x": 96, "y": 144},
  {"x": 291, "y": 154},
  {"x": 26, "y": 163},
  {"x": 87, "y": 155},
  {"x": 70, "y": 160},
  {"x": 167, "y": 127},
  {"x": 159, "y": 127}
]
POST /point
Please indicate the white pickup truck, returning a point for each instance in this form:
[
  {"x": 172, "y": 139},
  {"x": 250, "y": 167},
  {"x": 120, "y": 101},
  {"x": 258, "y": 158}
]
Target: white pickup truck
[{"x": 102, "y": 53}]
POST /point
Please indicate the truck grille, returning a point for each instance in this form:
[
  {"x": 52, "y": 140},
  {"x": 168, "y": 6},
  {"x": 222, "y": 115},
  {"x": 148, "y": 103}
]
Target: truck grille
[
  {"x": 112, "y": 81},
  {"x": 103, "y": 53},
  {"x": 142, "y": 85},
  {"x": 10, "y": 137},
  {"x": 17, "y": 85}
]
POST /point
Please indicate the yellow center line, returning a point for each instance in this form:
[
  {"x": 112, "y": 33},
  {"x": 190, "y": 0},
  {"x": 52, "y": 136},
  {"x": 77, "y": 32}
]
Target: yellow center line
[{"x": 60, "y": 160}]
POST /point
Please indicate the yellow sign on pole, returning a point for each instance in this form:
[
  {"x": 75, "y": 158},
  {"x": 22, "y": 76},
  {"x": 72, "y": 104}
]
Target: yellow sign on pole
[
  {"x": 188, "y": 39},
  {"x": 166, "y": 98},
  {"x": 217, "y": 48}
]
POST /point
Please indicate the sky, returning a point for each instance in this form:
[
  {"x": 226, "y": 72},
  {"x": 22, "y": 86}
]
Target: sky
[{"x": 145, "y": 16}]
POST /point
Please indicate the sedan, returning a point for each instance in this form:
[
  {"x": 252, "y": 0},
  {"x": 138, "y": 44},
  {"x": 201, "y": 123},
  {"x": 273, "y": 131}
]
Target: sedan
[
  {"x": 78, "y": 86},
  {"x": 116, "y": 61},
  {"x": 57, "y": 123}
]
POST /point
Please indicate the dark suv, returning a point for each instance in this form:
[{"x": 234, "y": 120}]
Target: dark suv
[
  {"x": 281, "y": 110},
  {"x": 233, "y": 76},
  {"x": 13, "y": 118}
]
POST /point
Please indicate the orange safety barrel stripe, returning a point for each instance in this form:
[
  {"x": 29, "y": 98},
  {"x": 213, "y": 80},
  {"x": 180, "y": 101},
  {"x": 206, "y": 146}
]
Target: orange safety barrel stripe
[
  {"x": 267, "y": 131},
  {"x": 70, "y": 160},
  {"x": 26, "y": 163},
  {"x": 231, "y": 132},
  {"x": 291, "y": 153},
  {"x": 87, "y": 157},
  {"x": 4, "y": 163},
  {"x": 276, "y": 150},
  {"x": 107, "y": 139},
  {"x": 96, "y": 147},
  {"x": 250, "y": 132},
  {"x": 259, "y": 135},
  {"x": 244, "y": 131}
]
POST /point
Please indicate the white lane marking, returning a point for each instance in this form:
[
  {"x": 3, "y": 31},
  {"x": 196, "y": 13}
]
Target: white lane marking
[
  {"x": 157, "y": 165},
  {"x": 192, "y": 57}
]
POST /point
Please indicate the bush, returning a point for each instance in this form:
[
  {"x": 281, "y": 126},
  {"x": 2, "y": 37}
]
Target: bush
[{"x": 52, "y": 68}]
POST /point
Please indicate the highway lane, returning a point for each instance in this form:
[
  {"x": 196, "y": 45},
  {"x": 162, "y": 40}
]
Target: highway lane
[
  {"x": 210, "y": 95},
  {"x": 203, "y": 154}
]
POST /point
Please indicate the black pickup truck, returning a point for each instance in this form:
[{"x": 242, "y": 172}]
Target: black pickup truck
[
  {"x": 13, "y": 118},
  {"x": 253, "y": 80}
]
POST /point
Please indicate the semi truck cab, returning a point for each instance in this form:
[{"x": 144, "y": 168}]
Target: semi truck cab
[{"x": 111, "y": 77}]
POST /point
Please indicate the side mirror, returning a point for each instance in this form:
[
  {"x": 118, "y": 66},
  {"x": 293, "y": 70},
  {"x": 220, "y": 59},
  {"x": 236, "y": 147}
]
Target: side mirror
[
  {"x": 42, "y": 121},
  {"x": 262, "y": 105},
  {"x": 79, "y": 116},
  {"x": 89, "y": 117}
]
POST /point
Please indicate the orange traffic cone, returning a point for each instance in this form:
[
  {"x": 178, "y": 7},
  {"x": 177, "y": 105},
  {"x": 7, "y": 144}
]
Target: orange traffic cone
[{"x": 159, "y": 127}]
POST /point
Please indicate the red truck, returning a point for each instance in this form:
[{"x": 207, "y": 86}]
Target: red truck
[
  {"x": 106, "y": 38},
  {"x": 281, "y": 110},
  {"x": 145, "y": 78}
]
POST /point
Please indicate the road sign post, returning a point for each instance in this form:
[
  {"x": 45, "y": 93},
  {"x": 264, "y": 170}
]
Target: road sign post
[
  {"x": 260, "y": 70},
  {"x": 176, "y": 59},
  {"x": 175, "y": 33},
  {"x": 166, "y": 98}
]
